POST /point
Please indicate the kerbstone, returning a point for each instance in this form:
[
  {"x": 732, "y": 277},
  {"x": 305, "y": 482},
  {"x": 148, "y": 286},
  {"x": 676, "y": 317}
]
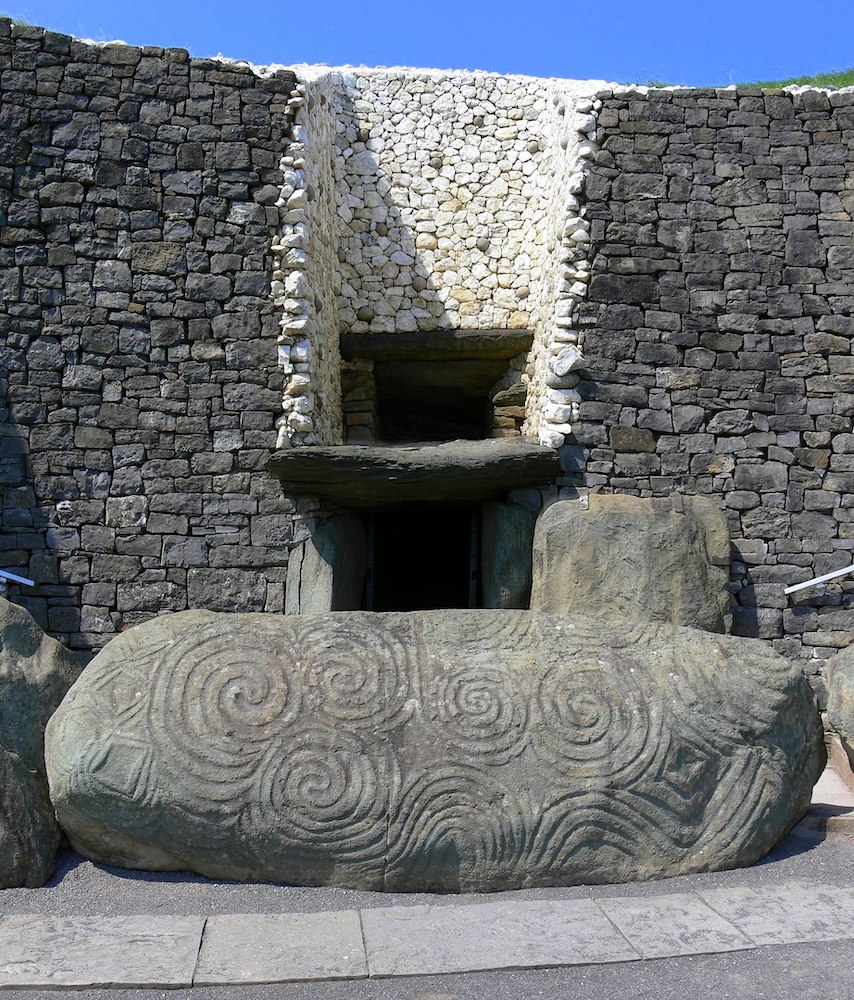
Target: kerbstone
[
  {"x": 448, "y": 750},
  {"x": 35, "y": 673}
]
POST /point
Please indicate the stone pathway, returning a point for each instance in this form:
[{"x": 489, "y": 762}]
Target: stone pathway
[
  {"x": 39, "y": 951},
  {"x": 165, "y": 951}
]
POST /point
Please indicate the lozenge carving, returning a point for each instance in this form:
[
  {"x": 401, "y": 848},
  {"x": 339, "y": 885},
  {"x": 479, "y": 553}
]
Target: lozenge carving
[{"x": 448, "y": 750}]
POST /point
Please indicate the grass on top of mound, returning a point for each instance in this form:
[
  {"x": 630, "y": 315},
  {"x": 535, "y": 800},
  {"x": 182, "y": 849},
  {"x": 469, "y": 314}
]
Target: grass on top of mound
[{"x": 836, "y": 78}]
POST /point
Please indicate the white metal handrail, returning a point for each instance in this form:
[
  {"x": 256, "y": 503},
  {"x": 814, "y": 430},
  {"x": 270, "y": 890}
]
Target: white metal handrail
[
  {"x": 819, "y": 579},
  {"x": 6, "y": 578}
]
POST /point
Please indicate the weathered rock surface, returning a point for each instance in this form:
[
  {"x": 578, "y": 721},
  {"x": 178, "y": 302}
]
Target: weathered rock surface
[
  {"x": 623, "y": 557},
  {"x": 507, "y": 533},
  {"x": 35, "y": 673},
  {"x": 449, "y": 750},
  {"x": 839, "y": 676},
  {"x": 327, "y": 571},
  {"x": 364, "y": 476}
]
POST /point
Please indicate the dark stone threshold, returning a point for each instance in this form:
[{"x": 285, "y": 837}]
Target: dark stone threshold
[
  {"x": 435, "y": 345},
  {"x": 368, "y": 476}
]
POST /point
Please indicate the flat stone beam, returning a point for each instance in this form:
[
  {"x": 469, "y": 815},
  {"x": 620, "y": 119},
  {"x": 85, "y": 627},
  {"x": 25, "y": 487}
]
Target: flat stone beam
[
  {"x": 436, "y": 345},
  {"x": 368, "y": 476}
]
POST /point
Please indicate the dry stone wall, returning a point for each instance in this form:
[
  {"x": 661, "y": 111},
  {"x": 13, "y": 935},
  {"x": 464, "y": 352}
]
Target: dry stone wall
[
  {"x": 139, "y": 381},
  {"x": 184, "y": 240},
  {"x": 719, "y": 333},
  {"x": 439, "y": 199},
  {"x": 306, "y": 275}
]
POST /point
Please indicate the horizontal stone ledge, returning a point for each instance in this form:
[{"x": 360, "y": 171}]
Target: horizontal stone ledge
[
  {"x": 368, "y": 476},
  {"x": 435, "y": 345}
]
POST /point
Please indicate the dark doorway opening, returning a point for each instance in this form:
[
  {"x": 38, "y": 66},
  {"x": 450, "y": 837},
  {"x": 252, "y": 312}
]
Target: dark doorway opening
[
  {"x": 434, "y": 400},
  {"x": 421, "y": 558}
]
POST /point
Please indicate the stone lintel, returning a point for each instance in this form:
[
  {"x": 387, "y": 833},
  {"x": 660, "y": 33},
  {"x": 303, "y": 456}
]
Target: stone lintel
[
  {"x": 434, "y": 345},
  {"x": 368, "y": 476}
]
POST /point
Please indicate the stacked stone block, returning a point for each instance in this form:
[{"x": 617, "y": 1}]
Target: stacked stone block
[
  {"x": 139, "y": 378},
  {"x": 359, "y": 401},
  {"x": 719, "y": 332}
]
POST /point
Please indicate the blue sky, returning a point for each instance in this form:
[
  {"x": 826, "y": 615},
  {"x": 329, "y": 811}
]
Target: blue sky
[{"x": 679, "y": 41}]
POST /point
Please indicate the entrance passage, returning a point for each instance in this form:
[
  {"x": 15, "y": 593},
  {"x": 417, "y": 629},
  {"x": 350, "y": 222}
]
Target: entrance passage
[{"x": 421, "y": 558}]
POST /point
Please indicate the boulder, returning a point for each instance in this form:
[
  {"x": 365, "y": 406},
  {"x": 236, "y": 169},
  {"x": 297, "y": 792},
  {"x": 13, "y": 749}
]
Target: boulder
[
  {"x": 35, "y": 673},
  {"x": 839, "y": 677},
  {"x": 622, "y": 557},
  {"x": 446, "y": 750}
]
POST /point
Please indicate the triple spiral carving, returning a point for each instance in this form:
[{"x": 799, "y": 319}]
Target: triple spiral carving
[{"x": 421, "y": 757}]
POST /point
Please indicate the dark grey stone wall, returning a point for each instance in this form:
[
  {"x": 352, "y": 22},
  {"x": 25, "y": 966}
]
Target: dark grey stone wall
[
  {"x": 138, "y": 376},
  {"x": 719, "y": 332},
  {"x": 138, "y": 360}
]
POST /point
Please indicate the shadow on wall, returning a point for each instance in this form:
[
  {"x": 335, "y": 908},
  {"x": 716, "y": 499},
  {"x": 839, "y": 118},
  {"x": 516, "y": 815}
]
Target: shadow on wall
[
  {"x": 23, "y": 523},
  {"x": 386, "y": 273},
  {"x": 437, "y": 207}
]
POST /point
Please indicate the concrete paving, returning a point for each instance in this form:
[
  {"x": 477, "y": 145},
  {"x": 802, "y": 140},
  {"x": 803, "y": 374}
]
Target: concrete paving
[
  {"x": 69, "y": 952},
  {"x": 96, "y": 927}
]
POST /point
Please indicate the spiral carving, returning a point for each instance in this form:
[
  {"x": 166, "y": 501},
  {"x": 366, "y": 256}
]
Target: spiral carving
[
  {"x": 454, "y": 823},
  {"x": 595, "y": 720},
  {"x": 217, "y": 701},
  {"x": 324, "y": 791},
  {"x": 483, "y": 712},
  {"x": 433, "y": 751},
  {"x": 358, "y": 678}
]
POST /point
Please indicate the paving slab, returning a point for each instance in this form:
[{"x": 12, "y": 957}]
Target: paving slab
[
  {"x": 424, "y": 940},
  {"x": 56, "y": 952},
  {"x": 793, "y": 913},
  {"x": 676, "y": 924},
  {"x": 264, "y": 948}
]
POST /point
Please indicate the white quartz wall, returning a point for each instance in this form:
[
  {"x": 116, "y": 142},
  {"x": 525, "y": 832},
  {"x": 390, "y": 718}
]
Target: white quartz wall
[
  {"x": 422, "y": 200},
  {"x": 440, "y": 202},
  {"x": 306, "y": 277},
  {"x": 555, "y": 359}
]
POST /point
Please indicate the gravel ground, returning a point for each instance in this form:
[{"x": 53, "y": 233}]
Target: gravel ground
[{"x": 83, "y": 888}]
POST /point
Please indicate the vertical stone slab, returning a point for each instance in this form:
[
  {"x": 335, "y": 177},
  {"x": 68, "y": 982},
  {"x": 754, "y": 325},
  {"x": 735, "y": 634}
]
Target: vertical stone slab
[
  {"x": 327, "y": 572},
  {"x": 507, "y": 539}
]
